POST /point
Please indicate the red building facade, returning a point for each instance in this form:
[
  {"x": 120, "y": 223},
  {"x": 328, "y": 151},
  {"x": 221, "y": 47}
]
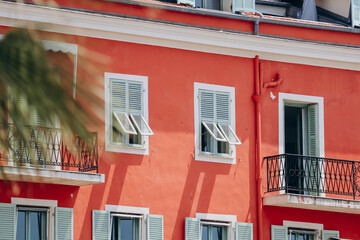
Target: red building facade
[{"x": 215, "y": 125}]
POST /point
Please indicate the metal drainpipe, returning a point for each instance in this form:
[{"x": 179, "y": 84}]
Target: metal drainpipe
[
  {"x": 257, "y": 21},
  {"x": 258, "y": 97}
]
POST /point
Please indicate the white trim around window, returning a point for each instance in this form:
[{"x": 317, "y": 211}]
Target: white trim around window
[
  {"x": 302, "y": 99},
  {"x": 141, "y": 150},
  {"x": 231, "y": 158},
  {"x": 220, "y": 219},
  {"x": 51, "y": 204}
]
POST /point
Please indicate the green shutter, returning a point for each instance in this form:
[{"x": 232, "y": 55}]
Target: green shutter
[
  {"x": 313, "y": 130},
  {"x": 192, "y": 229},
  {"x": 135, "y": 97},
  {"x": 64, "y": 224},
  {"x": 7, "y": 221},
  {"x": 355, "y": 12},
  {"x": 155, "y": 227},
  {"x": 279, "y": 232},
  {"x": 243, "y": 5},
  {"x": 326, "y": 234},
  {"x": 100, "y": 225},
  {"x": 244, "y": 231}
]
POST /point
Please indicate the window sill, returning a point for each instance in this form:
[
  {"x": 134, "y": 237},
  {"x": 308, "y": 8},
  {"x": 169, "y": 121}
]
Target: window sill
[
  {"x": 140, "y": 150},
  {"x": 208, "y": 157}
]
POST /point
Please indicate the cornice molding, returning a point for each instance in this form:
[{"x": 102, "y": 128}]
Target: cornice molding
[{"x": 177, "y": 36}]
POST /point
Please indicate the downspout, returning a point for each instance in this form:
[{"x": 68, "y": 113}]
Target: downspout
[
  {"x": 258, "y": 97},
  {"x": 257, "y": 21}
]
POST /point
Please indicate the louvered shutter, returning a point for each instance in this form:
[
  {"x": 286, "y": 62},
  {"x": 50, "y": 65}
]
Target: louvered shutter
[
  {"x": 326, "y": 234},
  {"x": 278, "y": 232},
  {"x": 207, "y": 106},
  {"x": 192, "y": 229},
  {"x": 243, "y": 5},
  {"x": 64, "y": 224},
  {"x": 222, "y": 108},
  {"x": 244, "y": 231},
  {"x": 355, "y": 12},
  {"x": 135, "y": 97},
  {"x": 155, "y": 227},
  {"x": 313, "y": 130},
  {"x": 100, "y": 225},
  {"x": 7, "y": 221},
  {"x": 118, "y": 95}
]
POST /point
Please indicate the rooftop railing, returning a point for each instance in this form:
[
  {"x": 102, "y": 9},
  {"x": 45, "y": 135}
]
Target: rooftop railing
[
  {"x": 309, "y": 175},
  {"x": 50, "y": 148}
]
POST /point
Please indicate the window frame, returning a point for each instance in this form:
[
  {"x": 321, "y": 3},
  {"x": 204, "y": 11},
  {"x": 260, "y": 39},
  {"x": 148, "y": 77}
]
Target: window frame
[
  {"x": 137, "y": 212},
  {"x": 228, "y": 221},
  {"x": 318, "y": 228},
  {"x": 33, "y": 203},
  {"x": 208, "y": 157},
  {"x": 128, "y": 148}
]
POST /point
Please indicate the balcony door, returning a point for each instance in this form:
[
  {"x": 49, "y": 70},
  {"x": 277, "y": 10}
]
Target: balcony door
[{"x": 301, "y": 141}]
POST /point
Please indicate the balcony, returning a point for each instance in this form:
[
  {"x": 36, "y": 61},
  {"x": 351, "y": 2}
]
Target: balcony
[
  {"x": 50, "y": 155},
  {"x": 313, "y": 183}
]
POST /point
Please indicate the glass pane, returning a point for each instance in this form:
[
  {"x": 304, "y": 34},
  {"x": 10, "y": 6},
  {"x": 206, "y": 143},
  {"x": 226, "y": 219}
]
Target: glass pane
[
  {"x": 229, "y": 134},
  {"x": 37, "y": 225},
  {"x": 115, "y": 230},
  {"x": 214, "y": 131},
  {"x": 124, "y": 123},
  {"x": 216, "y": 232},
  {"x": 207, "y": 141},
  {"x": 21, "y": 225},
  {"x": 205, "y": 232},
  {"x": 126, "y": 229},
  {"x": 141, "y": 124}
]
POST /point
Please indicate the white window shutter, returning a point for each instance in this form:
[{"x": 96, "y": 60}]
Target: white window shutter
[
  {"x": 187, "y": 2},
  {"x": 243, "y": 6},
  {"x": 244, "y": 231},
  {"x": 326, "y": 234},
  {"x": 64, "y": 224},
  {"x": 7, "y": 221},
  {"x": 207, "y": 106},
  {"x": 100, "y": 225},
  {"x": 313, "y": 130},
  {"x": 155, "y": 227},
  {"x": 279, "y": 232},
  {"x": 355, "y": 12},
  {"x": 192, "y": 229},
  {"x": 118, "y": 95},
  {"x": 135, "y": 97},
  {"x": 222, "y": 107}
]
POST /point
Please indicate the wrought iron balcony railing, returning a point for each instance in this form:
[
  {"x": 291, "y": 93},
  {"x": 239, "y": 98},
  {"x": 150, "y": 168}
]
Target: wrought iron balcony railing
[
  {"x": 50, "y": 148},
  {"x": 313, "y": 175}
]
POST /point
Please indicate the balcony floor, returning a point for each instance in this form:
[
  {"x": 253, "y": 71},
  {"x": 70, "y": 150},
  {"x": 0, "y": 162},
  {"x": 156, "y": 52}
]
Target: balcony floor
[
  {"x": 54, "y": 176},
  {"x": 313, "y": 203}
]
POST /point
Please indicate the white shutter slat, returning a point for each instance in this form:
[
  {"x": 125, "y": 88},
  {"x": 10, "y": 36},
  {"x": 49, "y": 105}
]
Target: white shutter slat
[
  {"x": 135, "y": 97},
  {"x": 7, "y": 221},
  {"x": 207, "y": 108},
  {"x": 278, "y": 232},
  {"x": 192, "y": 229},
  {"x": 222, "y": 107},
  {"x": 243, "y": 5},
  {"x": 64, "y": 223},
  {"x": 326, "y": 234},
  {"x": 355, "y": 12},
  {"x": 118, "y": 95},
  {"x": 100, "y": 225},
  {"x": 244, "y": 231},
  {"x": 155, "y": 227}
]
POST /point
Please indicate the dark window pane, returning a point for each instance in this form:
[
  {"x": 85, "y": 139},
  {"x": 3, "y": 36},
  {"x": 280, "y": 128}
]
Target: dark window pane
[
  {"x": 126, "y": 229},
  {"x": 205, "y": 233},
  {"x": 21, "y": 225},
  {"x": 216, "y": 233},
  {"x": 37, "y": 225}
]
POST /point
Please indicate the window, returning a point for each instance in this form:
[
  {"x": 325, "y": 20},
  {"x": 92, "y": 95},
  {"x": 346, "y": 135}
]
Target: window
[
  {"x": 32, "y": 223},
  {"x": 215, "y": 136},
  {"x": 301, "y": 134},
  {"x": 301, "y": 231},
  {"x": 224, "y": 5},
  {"x": 217, "y": 227},
  {"x": 35, "y": 219},
  {"x": 126, "y": 223},
  {"x": 126, "y": 120}
]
